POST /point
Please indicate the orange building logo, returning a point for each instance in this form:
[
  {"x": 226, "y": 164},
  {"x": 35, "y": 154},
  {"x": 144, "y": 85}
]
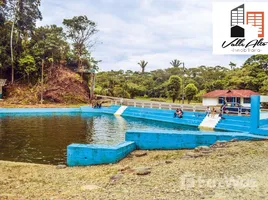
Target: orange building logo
[{"x": 256, "y": 19}]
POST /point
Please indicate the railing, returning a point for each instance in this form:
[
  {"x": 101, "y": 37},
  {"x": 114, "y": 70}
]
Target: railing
[
  {"x": 172, "y": 106},
  {"x": 153, "y": 104}
]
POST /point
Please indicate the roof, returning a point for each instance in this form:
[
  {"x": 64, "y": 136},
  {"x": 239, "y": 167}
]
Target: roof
[{"x": 230, "y": 93}]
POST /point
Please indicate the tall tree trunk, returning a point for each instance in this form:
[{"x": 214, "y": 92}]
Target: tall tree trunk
[
  {"x": 42, "y": 81},
  {"x": 92, "y": 86},
  {"x": 11, "y": 51},
  {"x": 11, "y": 43}
]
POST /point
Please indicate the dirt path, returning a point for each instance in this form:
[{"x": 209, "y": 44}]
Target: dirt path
[{"x": 236, "y": 170}]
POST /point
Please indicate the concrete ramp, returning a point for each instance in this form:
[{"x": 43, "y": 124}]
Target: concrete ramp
[
  {"x": 120, "y": 110},
  {"x": 210, "y": 122}
]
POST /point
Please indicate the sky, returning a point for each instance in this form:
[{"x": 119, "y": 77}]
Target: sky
[{"x": 157, "y": 31}]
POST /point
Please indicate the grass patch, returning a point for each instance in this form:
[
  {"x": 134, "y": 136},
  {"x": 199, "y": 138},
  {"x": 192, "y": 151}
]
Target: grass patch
[{"x": 169, "y": 155}]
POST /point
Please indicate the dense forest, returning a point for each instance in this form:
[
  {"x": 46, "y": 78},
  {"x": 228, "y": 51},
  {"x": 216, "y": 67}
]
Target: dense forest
[
  {"x": 24, "y": 47},
  {"x": 29, "y": 53},
  {"x": 194, "y": 81}
]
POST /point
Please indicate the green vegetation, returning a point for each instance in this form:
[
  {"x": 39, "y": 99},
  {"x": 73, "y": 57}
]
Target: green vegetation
[
  {"x": 175, "y": 63},
  {"x": 157, "y": 84},
  {"x": 173, "y": 87},
  {"x": 24, "y": 47},
  {"x": 190, "y": 92},
  {"x": 80, "y": 30},
  {"x": 143, "y": 64}
]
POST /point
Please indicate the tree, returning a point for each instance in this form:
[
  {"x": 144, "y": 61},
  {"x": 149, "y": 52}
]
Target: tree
[
  {"x": 5, "y": 47},
  {"x": 143, "y": 64},
  {"x": 175, "y": 63},
  {"x": 27, "y": 63},
  {"x": 24, "y": 14},
  {"x": 190, "y": 91},
  {"x": 2, "y": 12},
  {"x": 49, "y": 43},
  {"x": 232, "y": 65},
  {"x": 251, "y": 76},
  {"x": 174, "y": 86},
  {"x": 264, "y": 88},
  {"x": 260, "y": 59},
  {"x": 134, "y": 89},
  {"x": 81, "y": 30}
]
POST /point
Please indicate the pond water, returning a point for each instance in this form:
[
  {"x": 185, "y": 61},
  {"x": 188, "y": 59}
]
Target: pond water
[{"x": 44, "y": 138}]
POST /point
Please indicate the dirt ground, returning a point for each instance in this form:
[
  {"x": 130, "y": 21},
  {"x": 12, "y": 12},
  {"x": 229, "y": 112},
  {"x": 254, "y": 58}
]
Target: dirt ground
[{"x": 234, "y": 170}]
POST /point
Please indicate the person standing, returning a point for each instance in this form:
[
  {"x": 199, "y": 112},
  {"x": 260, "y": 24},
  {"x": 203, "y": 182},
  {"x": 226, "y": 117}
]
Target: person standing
[
  {"x": 213, "y": 112},
  {"x": 208, "y": 111}
]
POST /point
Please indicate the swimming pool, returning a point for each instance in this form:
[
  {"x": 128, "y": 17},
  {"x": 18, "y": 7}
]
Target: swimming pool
[{"x": 43, "y": 138}]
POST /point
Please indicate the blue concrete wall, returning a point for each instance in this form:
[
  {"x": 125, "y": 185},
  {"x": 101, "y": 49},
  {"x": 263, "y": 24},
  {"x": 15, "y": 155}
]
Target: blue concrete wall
[
  {"x": 234, "y": 123},
  {"x": 257, "y": 126},
  {"x": 230, "y": 123},
  {"x": 263, "y": 122},
  {"x": 149, "y": 140},
  {"x": 189, "y": 118},
  {"x": 255, "y": 113},
  {"x": 38, "y": 110},
  {"x": 106, "y": 110},
  {"x": 90, "y": 154}
]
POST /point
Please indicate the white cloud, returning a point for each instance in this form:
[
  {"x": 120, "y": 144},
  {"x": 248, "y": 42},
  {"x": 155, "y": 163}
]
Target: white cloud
[{"x": 157, "y": 31}]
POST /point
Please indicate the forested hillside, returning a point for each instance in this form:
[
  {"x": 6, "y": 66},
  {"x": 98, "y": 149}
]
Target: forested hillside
[
  {"x": 29, "y": 54},
  {"x": 196, "y": 81}
]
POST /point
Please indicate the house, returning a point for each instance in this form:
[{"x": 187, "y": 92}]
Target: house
[{"x": 219, "y": 97}]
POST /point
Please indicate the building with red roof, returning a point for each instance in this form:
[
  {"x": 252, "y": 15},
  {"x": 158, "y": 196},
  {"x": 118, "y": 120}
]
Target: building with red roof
[{"x": 219, "y": 97}]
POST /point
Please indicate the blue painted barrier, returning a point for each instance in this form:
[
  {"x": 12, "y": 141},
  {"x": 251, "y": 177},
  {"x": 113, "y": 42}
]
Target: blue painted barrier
[
  {"x": 149, "y": 140},
  {"x": 38, "y": 110},
  {"x": 255, "y": 113},
  {"x": 189, "y": 118},
  {"x": 85, "y": 154},
  {"x": 263, "y": 122},
  {"x": 105, "y": 110},
  {"x": 90, "y": 154},
  {"x": 230, "y": 123}
]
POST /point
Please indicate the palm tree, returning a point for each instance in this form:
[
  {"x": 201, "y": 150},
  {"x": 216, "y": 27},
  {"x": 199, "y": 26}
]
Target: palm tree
[
  {"x": 232, "y": 65},
  {"x": 143, "y": 64},
  {"x": 175, "y": 63}
]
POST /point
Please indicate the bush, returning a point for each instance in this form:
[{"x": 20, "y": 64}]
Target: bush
[{"x": 158, "y": 99}]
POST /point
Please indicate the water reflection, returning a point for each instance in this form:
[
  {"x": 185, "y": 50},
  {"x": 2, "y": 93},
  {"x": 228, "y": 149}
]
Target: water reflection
[{"x": 44, "y": 138}]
